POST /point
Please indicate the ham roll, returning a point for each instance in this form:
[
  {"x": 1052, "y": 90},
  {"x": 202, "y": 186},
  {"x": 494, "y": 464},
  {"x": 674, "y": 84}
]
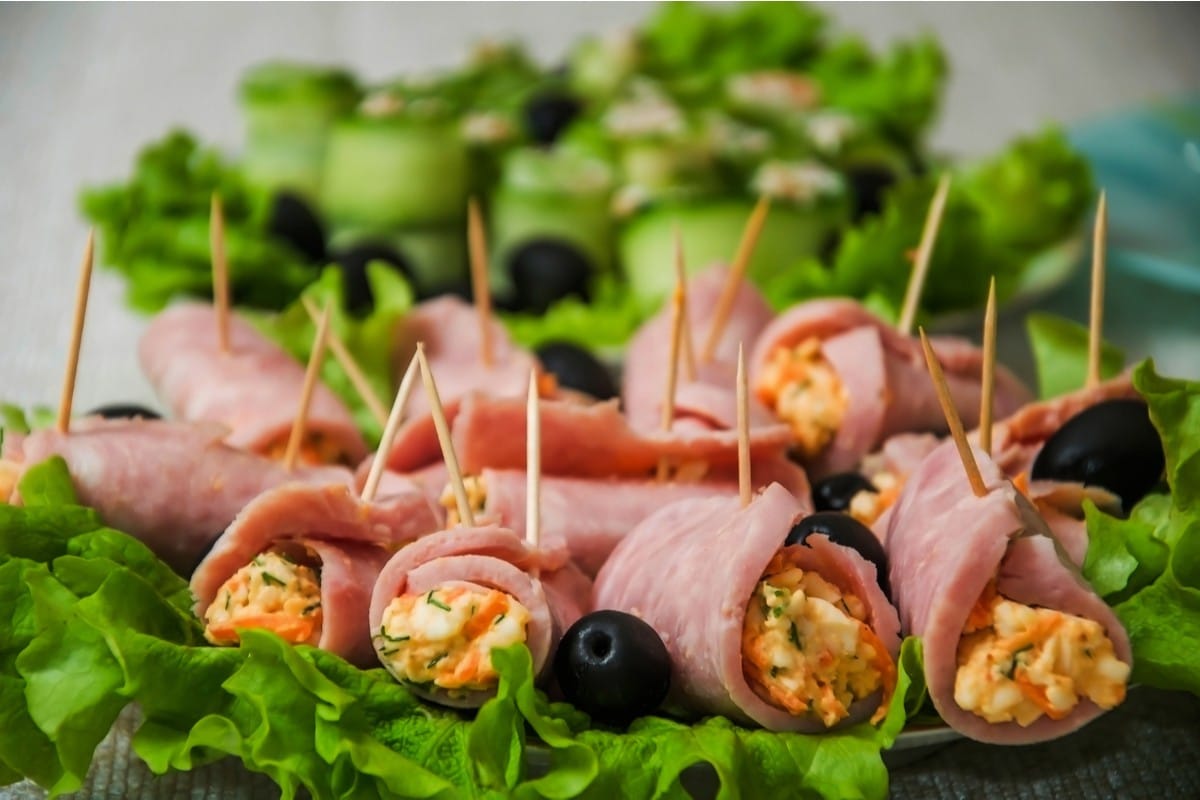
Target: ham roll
[
  {"x": 589, "y": 516},
  {"x": 254, "y": 389},
  {"x": 845, "y": 381},
  {"x": 301, "y": 560},
  {"x": 175, "y": 486},
  {"x": 593, "y": 441},
  {"x": 449, "y": 327},
  {"x": 710, "y": 399},
  {"x": 792, "y": 638},
  {"x": 444, "y": 602},
  {"x": 1018, "y": 648}
]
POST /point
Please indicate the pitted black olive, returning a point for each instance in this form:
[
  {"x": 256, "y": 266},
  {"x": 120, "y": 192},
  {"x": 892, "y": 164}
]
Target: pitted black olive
[
  {"x": 1112, "y": 444},
  {"x": 294, "y": 221},
  {"x": 548, "y": 114},
  {"x": 613, "y": 666},
  {"x": 546, "y": 270},
  {"x": 353, "y": 261},
  {"x": 576, "y": 368},
  {"x": 844, "y": 530},
  {"x": 868, "y": 182},
  {"x": 835, "y": 492},
  {"x": 124, "y": 411}
]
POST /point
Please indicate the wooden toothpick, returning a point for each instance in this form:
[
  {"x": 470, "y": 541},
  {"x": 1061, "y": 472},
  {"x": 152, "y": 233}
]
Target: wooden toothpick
[
  {"x": 916, "y": 280},
  {"x": 668, "y": 405},
  {"x": 443, "y": 433},
  {"x": 81, "y": 299},
  {"x": 310, "y": 383},
  {"x": 477, "y": 243},
  {"x": 743, "y": 427},
  {"x": 533, "y": 466},
  {"x": 952, "y": 418},
  {"x": 988, "y": 392},
  {"x": 399, "y": 404},
  {"x": 737, "y": 271},
  {"x": 353, "y": 371},
  {"x": 220, "y": 270},
  {"x": 689, "y": 352},
  {"x": 1096, "y": 317}
]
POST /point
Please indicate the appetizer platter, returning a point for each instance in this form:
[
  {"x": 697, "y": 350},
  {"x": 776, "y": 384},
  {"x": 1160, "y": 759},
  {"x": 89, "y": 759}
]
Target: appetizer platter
[{"x": 566, "y": 434}]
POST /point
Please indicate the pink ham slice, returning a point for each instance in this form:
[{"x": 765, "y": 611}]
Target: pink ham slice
[
  {"x": 254, "y": 389},
  {"x": 351, "y": 539},
  {"x": 175, "y": 486},
  {"x": 884, "y": 375},
  {"x": 585, "y": 441},
  {"x": 717, "y": 552},
  {"x": 945, "y": 545},
  {"x": 489, "y": 557},
  {"x": 589, "y": 515},
  {"x": 449, "y": 327},
  {"x": 711, "y": 396}
]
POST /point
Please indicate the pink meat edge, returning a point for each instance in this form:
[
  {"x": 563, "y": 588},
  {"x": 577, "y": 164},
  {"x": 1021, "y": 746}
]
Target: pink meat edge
[
  {"x": 348, "y": 571},
  {"x": 860, "y": 361},
  {"x": 473, "y": 571}
]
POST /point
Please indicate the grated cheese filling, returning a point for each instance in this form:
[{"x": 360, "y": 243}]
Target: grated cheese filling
[
  {"x": 1019, "y": 663},
  {"x": 272, "y": 592},
  {"x": 803, "y": 390}
]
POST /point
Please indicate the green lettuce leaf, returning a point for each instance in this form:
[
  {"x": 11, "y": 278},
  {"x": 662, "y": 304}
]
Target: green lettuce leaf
[
  {"x": 368, "y": 339},
  {"x": 155, "y": 230},
  {"x": 1060, "y": 352},
  {"x": 18, "y": 420},
  {"x": 605, "y": 323},
  {"x": 1148, "y": 566}
]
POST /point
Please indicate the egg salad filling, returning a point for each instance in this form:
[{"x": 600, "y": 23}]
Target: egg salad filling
[
  {"x": 803, "y": 390},
  {"x": 10, "y": 472},
  {"x": 315, "y": 450},
  {"x": 445, "y": 637},
  {"x": 867, "y": 506},
  {"x": 476, "y": 498},
  {"x": 272, "y": 592},
  {"x": 1018, "y": 663},
  {"x": 806, "y": 646}
]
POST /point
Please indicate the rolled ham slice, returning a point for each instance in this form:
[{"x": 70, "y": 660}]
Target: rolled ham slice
[
  {"x": 588, "y": 515},
  {"x": 700, "y": 618},
  {"x": 489, "y": 557},
  {"x": 945, "y": 545},
  {"x": 883, "y": 373},
  {"x": 449, "y": 327},
  {"x": 254, "y": 389},
  {"x": 586, "y": 441},
  {"x": 175, "y": 486},
  {"x": 711, "y": 396},
  {"x": 350, "y": 539}
]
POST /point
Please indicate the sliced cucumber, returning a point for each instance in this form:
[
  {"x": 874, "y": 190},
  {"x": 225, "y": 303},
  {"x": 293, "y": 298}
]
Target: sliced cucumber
[
  {"x": 711, "y": 232},
  {"x": 290, "y": 110},
  {"x": 395, "y": 172},
  {"x": 551, "y": 194}
]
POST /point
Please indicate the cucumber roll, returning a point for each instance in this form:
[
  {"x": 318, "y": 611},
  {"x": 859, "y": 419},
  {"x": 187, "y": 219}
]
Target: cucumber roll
[{"x": 290, "y": 109}]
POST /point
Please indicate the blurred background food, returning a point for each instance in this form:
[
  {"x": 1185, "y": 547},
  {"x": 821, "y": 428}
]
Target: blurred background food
[{"x": 587, "y": 142}]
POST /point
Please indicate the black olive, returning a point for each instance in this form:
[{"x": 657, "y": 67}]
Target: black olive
[
  {"x": 835, "y": 492},
  {"x": 868, "y": 183},
  {"x": 1112, "y": 444},
  {"x": 546, "y": 270},
  {"x": 576, "y": 368},
  {"x": 124, "y": 411},
  {"x": 353, "y": 262},
  {"x": 844, "y": 530},
  {"x": 548, "y": 114},
  {"x": 294, "y": 221},
  {"x": 613, "y": 666}
]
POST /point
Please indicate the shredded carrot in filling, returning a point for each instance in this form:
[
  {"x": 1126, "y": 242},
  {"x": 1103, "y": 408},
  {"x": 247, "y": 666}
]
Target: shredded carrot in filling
[
  {"x": 272, "y": 593},
  {"x": 9, "y": 473},
  {"x": 445, "y": 637},
  {"x": 1019, "y": 663},
  {"x": 867, "y": 506},
  {"x": 803, "y": 390},
  {"x": 807, "y": 648}
]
